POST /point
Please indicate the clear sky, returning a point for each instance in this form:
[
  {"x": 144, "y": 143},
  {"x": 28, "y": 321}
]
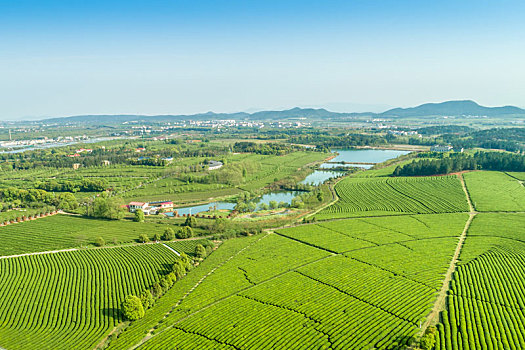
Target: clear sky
[{"x": 61, "y": 58}]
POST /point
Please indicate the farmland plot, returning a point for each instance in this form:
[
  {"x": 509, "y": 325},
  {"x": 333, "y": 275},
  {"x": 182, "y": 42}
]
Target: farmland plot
[
  {"x": 495, "y": 191},
  {"x": 387, "y": 196},
  {"x": 71, "y": 300},
  {"x": 295, "y": 289}
]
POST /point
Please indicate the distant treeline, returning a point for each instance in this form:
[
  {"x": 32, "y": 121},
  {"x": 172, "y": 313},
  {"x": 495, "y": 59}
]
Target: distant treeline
[
  {"x": 36, "y": 198},
  {"x": 325, "y": 141},
  {"x": 508, "y": 139},
  {"x": 84, "y": 185},
  {"x": 444, "y": 129},
  {"x": 263, "y": 148},
  {"x": 459, "y": 161}
]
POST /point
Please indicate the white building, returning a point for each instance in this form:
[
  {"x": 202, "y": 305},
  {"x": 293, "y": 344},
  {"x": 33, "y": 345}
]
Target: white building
[
  {"x": 214, "y": 165},
  {"x": 439, "y": 148},
  {"x": 133, "y": 206}
]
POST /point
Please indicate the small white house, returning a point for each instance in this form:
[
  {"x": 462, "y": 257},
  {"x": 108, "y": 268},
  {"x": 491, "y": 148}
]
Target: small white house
[
  {"x": 214, "y": 165},
  {"x": 439, "y": 148},
  {"x": 162, "y": 205},
  {"x": 133, "y": 206}
]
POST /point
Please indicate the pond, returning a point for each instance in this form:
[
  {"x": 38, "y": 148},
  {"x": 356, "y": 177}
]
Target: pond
[
  {"x": 266, "y": 198},
  {"x": 365, "y": 156},
  {"x": 316, "y": 178},
  {"x": 320, "y": 176}
]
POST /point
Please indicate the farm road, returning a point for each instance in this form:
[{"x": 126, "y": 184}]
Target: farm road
[{"x": 439, "y": 305}]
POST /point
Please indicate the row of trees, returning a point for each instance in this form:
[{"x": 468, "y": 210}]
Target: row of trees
[
  {"x": 458, "y": 162},
  {"x": 36, "y": 198},
  {"x": 134, "y": 307},
  {"x": 81, "y": 185}
]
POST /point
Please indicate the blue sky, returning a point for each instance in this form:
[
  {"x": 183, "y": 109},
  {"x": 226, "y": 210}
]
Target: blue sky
[{"x": 62, "y": 58}]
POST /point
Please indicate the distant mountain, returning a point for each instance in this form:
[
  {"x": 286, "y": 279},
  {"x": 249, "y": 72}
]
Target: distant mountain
[
  {"x": 449, "y": 108},
  {"x": 453, "y": 108},
  {"x": 118, "y": 119},
  {"x": 296, "y": 113}
]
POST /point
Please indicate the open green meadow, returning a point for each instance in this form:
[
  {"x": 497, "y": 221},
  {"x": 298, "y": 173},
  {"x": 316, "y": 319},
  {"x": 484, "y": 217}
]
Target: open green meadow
[
  {"x": 387, "y": 196},
  {"x": 71, "y": 300},
  {"x": 495, "y": 191}
]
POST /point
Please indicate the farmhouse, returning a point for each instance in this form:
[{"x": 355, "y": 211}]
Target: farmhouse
[
  {"x": 439, "y": 148},
  {"x": 166, "y": 205},
  {"x": 213, "y": 165},
  {"x": 133, "y": 206}
]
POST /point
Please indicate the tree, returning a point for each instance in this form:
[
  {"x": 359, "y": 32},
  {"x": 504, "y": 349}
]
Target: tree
[
  {"x": 66, "y": 201},
  {"x": 273, "y": 204},
  {"x": 143, "y": 238},
  {"x": 190, "y": 221},
  {"x": 156, "y": 289},
  {"x": 99, "y": 242},
  {"x": 185, "y": 232},
  {"x": 263, "y": 206},
  {"x": 106, "y": 207},
  {"x": 200, "y": 251},
  {"x": 178, "y": 269},
  {"x": 320, "y": 196},
  {"x": 156, "y": 237},
  {"x": 139, "y": 216},
  {"x": 169, "y": 234},
  {"x": 147, "y": 299},
  {"x": 428, "y": 340},
  {"x": 132, "y": 308}
]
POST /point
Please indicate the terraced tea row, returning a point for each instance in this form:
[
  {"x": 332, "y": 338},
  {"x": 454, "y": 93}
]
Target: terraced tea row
[
  {"x": 495, "y": 191},
  {"x": 486, "y": 302},
  {"x": 71, "y": 300},
  {"x": 385, "y": 196},
  {"x": 303, "y": 293},
  {"x": 66, "y": 231}
]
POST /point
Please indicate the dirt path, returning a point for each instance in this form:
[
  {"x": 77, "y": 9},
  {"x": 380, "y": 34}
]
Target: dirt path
[
  {"x": 38, "y": 253},
  {"x": 439, "y": 304},
  {"x": 335, "y": 198},
  {"x": 170, "y": 248},
  {"x": 464, "y": 186}
]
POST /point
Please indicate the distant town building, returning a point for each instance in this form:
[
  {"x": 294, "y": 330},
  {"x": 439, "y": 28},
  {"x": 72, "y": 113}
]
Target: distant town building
[
  {"x": 440, "y": 148},
  {"x": 214, "y": 165},
  {"x": 76, "y": 166}
]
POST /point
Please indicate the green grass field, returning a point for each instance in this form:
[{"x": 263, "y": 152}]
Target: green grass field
[
  {"x": 495, "y": 191},
  {"x": 387, "y": 196},
  {"x": 71, "y": 300},
  {"x": 265, "y": 169}
]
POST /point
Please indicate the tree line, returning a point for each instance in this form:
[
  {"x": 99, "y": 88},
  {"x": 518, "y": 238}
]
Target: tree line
[{"x": 449, "y": 163}]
